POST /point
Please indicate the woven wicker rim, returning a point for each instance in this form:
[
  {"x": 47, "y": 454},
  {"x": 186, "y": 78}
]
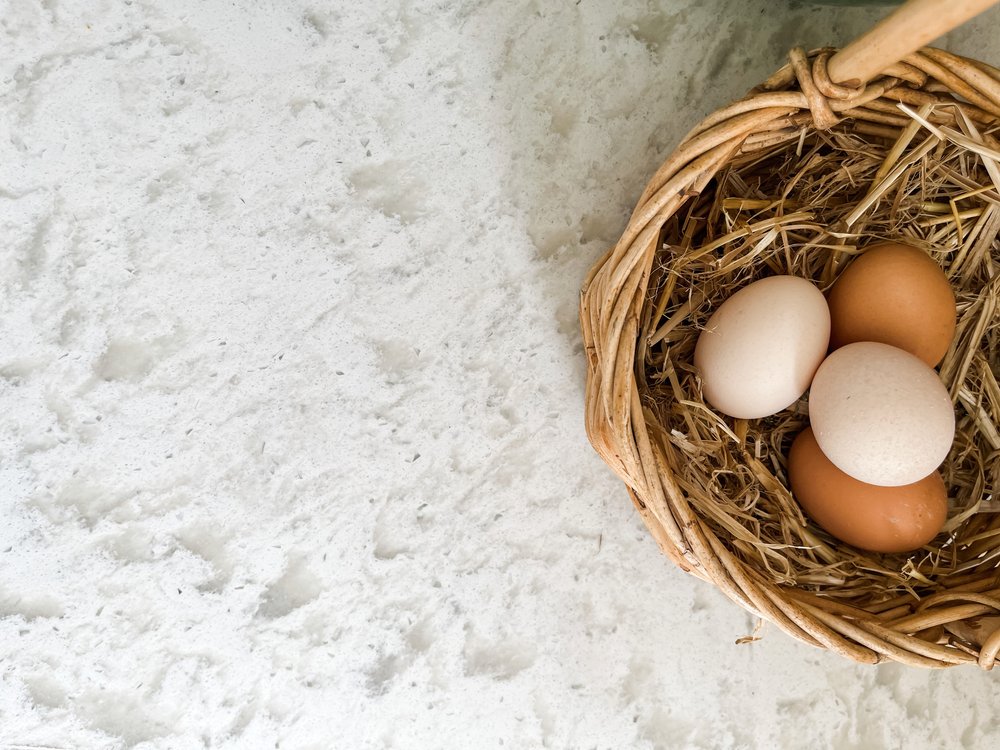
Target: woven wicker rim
[{"x": 800, "y": 95}]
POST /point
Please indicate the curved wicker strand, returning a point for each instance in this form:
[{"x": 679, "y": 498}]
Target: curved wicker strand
[
  {"x": 822, "y": 113},
  {"x": 986, "y": 68},
  {"x": 955, "y": 81},
  {"x": 988, "y": 86},
  {"x": 826, "y": 86},
  {"x": 990, "y": 649},
  {"x": 873, "y": 640}
]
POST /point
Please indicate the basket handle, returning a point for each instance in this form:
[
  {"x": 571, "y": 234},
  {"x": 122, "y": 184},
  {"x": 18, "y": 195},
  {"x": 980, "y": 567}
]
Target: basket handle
[{"x": 905, "y": 30}]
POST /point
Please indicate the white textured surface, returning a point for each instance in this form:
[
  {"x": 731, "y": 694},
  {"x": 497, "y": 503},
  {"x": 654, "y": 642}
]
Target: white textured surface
[{"x": 291, "y": 447}]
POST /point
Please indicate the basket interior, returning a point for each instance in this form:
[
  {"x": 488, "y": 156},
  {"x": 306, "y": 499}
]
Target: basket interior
[{"x": 805, "y": 206}]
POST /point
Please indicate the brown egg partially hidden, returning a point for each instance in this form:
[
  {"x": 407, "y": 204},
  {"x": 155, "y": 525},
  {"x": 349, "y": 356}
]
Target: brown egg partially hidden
[
  {"x": 894, "y": 294},
  {"x": 879, "y": 519}
]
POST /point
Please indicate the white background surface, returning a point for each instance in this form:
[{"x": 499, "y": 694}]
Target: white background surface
[{"x": 291, "y": 442}]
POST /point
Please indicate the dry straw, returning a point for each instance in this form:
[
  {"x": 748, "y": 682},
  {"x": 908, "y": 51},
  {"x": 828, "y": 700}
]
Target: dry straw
[{"x": 797, "y": 178}]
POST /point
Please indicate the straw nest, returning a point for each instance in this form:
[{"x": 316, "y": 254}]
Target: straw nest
[{"x": 797, "y": 178}]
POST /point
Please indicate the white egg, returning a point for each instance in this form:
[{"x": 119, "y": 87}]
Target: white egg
[
  {"x": 880, "y": 414},
  {"x": 760, "y": 349}
]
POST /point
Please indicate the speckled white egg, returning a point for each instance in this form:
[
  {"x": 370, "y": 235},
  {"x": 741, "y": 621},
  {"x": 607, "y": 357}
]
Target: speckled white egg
[
  {"x": 760, "y": 349},
  {"x": 880, "y": 414}
]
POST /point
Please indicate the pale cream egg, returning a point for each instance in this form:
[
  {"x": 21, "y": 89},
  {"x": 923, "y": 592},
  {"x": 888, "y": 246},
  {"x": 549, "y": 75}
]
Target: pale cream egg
[
  {"x": 760, "y": 349},
  {"x": 880, "y": 414}
]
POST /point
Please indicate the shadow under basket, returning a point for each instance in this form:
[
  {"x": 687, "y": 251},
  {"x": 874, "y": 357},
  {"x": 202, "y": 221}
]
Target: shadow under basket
[{"x": 797, "y": 178}]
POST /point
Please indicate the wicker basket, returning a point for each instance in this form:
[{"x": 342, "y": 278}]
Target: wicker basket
[{"x": 640, "y": 319}]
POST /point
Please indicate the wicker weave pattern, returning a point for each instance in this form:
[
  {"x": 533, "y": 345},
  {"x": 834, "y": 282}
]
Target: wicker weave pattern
[{"x": 614, "y": 301}]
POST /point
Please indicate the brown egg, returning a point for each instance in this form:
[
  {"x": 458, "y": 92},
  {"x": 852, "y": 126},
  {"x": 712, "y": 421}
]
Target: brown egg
[
  {"x": 879, "y": 519},
  {"x": 894, "y": 294}
]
